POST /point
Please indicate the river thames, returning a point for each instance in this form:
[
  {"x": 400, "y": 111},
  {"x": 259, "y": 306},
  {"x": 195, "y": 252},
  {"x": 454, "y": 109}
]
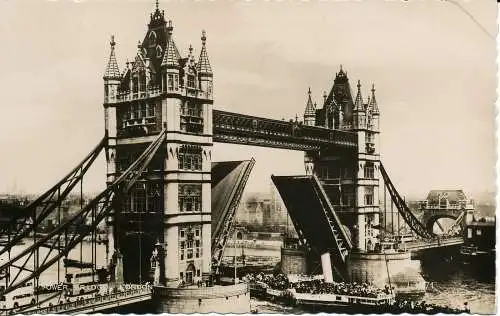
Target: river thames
[{"x": 453, "y": 282}]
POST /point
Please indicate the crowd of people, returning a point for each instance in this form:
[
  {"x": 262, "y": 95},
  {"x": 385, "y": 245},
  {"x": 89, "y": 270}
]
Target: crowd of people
[
  {"x": 340, "y": 288},
  {"x": 274, "y": 281},
  {"x": 318, "y": 286}
]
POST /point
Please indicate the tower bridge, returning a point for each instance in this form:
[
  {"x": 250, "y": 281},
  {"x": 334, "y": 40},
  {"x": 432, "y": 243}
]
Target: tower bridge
[{"x": 169, "y": 209}]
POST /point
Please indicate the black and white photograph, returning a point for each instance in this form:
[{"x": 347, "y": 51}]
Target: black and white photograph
[{"x": 248, "y": 157}]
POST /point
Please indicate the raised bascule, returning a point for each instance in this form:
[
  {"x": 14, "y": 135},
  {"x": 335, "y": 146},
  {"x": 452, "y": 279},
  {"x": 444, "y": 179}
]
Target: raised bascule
[{"x": 169, "y": 209}]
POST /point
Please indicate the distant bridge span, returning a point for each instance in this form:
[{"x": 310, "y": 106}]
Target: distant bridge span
[{"x": 435, "y": 243}]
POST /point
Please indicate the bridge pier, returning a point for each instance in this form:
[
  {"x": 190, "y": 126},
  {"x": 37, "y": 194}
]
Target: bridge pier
[
  {"x": 381, "y": 269},
  {"x": 215, "y": 299},
  {"x": 293, "y": 261}
]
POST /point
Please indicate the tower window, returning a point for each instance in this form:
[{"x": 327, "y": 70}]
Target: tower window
[
  {"x": 369, "y": 138},
  {"x": 369, "y": 195},
  {"x": 369, "y": 170},
  {"x": 151, "y": 110},
  {"x": 170, "y": 82},
  {"x": 139, "y": 197},
  {"x": 135, "y": 85},
  {"x": 159, "y": 51},
  {"x": 190, "y": 198},
  {"x": 190, "y": 157},
  {"x": 190, "y": 81},
  {"x": 191, "y": 117},
  {"x": 154, "y": 197},
  {"x": 143, "y": 83},
  {"x": 136, "y": 111}
]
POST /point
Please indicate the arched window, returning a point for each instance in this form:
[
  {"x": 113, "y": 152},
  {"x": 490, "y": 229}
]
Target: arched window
[
  {"x": 159, "y": 51},
  {"x": 152, "y": 38}
]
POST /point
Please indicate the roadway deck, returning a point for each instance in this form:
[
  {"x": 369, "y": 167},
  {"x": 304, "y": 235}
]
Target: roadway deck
[
  {"x": 308, "y": 209},
  {"x": 227, "y": 177}
]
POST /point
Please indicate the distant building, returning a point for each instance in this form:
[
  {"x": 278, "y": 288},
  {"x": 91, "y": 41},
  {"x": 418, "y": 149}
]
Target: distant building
[{"x": 264, "y": 212}]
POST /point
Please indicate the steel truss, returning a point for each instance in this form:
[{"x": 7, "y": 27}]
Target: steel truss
[
  {"x": 43, "y": 206},
  {"x": 342, "y": 241},
  {"x": 404, "y": 210},
  {"x": 220, "y": 241},
  {"x": 97, "y": 209}
]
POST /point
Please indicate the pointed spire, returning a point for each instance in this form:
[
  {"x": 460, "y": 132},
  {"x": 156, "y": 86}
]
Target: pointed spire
[
  {"x": 358, "y": 104},
  {"x": 310, "y": 108},
  {"x": 373, "y": 102},
  {"x": 112, "y": 70},
  {"x": 158, "y": 16},
  {"x": 171, "y": 56},
  {"x": 341, "y": 71},
  {"x": 191, "y": 56},
  {"x": 203, "y": 62}
]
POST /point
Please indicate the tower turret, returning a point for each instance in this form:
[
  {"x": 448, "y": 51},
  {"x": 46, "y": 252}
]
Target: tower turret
[
  {"x": 112, "y": 79},
  {"x": 373, "y": 106},
  {"x": 310, "y": 111},
  {"x": 325, "y": 110},
  {"x": 112, "y": 75},
  {"x": 204, "y": 70},
  {"x": 359, "y": 113},
  {"x": 170, "y": 64}
]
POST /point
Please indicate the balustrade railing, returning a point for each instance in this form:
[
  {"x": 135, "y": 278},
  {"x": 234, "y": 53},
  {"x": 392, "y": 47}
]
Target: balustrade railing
[{"x": 129, "y": 96}]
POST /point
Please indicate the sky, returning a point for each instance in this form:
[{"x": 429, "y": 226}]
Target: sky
[{"x": 434, "y": 70}]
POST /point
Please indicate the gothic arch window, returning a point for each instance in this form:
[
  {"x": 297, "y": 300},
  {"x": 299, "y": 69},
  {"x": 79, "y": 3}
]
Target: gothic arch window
[
  {"x": 152, "y": 38},
  {"x": 159, "y": 51}
]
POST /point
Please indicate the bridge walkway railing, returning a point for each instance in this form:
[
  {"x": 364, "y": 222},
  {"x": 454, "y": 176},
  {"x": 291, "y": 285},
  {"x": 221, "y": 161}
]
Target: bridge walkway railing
[{"x": 79, "y": 304}]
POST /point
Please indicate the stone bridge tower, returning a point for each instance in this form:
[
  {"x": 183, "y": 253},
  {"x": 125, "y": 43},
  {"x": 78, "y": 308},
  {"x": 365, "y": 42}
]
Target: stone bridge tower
[
  {"x": 168, "y": 211},
  {"x": 351, "y": 179}
]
